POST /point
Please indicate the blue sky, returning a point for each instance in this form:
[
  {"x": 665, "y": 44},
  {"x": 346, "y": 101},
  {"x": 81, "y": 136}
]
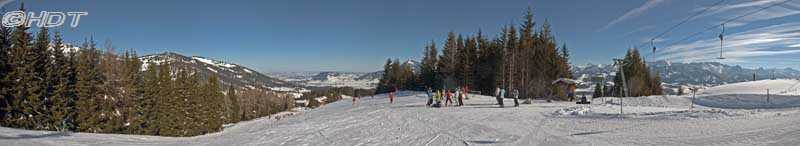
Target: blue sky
[{"x": 358, "y": 35}]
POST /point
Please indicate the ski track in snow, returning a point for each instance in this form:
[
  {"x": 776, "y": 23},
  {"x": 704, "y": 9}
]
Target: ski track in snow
[{"x": 655, "y": 120}]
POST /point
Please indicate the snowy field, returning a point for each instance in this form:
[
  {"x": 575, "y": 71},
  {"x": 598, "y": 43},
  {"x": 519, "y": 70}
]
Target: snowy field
[{"x": 717, "y": 119}]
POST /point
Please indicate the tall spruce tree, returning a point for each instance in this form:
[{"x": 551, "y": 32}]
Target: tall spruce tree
[
  {"x": 235, "y": 112},
  {"x": 87, "y": 89},
  {"x": 148, "y": 104},
  {"x": 510, "y": 57},
  {"x": 25, "y": 80},
  {"x": 5, "y": 69},
  {"x": 598, "y": 91},
  {"x": 468, "y": 55},
  {"x": 447, "y": 61},
  {"x": 386, "y": 80},
  {"x": 639, "y": 80},
  {"x": 167, "y": 103},
  {"x": 213, "y": 102},
  {"x": 132, "y": 86},
  {"x": 62, "y": 80},
  {"x": 428, "y": 67}
]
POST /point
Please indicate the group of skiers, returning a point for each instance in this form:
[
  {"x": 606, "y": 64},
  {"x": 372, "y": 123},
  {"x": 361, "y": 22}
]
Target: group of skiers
[
  {"x": 447, "y": 97},
  {"x": 500, "y": 93},
  {"x": 454, "y": 97}
]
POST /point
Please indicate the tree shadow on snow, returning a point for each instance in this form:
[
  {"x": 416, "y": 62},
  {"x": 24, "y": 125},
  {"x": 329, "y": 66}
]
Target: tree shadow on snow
[
  {"x": 30, "y": 136},
  {"x": 412, "y": 106},
  {"x": 493, "y": 106},
  {"x": 485, "y": 141},
  {"x": 588, "y": 133}
]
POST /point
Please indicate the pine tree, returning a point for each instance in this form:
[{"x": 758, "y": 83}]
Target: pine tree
[
  {"x": 111, "y": 105},
  {"x": 396, "y": 73},
  {"x": 167, "y": 103},
  {"x": 487, "y": 66},
  {"x": 565, "y": 68},
  {"x": 235, "y": 112},
  {"x": 598, "y": 91},
  {"x": 190, "y": 109},
  {"x": 132, "y": 93},
  {"x": 5, "y": 69},
  {"x": 468, "y": 55},
  {"x": 49, "y": 78},
  {"x": 655, "y": 85},
  {"x": 27, "y": 94},
  {"x": 386, "y": 80},
  {"x": 62, "y": 79},
  {"x": 447, "y": 61},
  {"x": 510, "y": 57},
  {"x": 428, "y": 67},
  {"x": 148, "y": 103},
  {"x": 88, "y": 90},
  {"x": 213, "y": 102},
  {"x": 637, "y": 75},
  {"x": 523, "y": 65}
]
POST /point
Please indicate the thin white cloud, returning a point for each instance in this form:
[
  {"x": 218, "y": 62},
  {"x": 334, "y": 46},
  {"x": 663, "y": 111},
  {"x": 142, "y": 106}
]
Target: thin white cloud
[
  {"x": 633, "y": 13},
  {"x": 729, "y": 11},
  {"x": 4, "y": 2},
  {"x": 640, "y": 29}
]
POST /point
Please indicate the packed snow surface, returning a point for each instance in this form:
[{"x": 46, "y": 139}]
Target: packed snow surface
[{"x": 653, "y": 120}]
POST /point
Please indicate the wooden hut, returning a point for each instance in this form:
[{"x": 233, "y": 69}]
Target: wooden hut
[{"x": 566, "y": 88}]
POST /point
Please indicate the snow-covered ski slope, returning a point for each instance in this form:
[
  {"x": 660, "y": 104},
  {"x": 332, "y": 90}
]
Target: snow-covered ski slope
[
  {"x": 654, "y": 120},
  {"x": 775, "y": 87},
  {"x": 783, "y": 93}
]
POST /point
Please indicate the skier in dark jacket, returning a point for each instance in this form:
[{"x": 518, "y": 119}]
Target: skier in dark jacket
[
  {"x": 460, "y": 96},
  {"x": 429, "y": 92},
  {"x": 515, "y": 94}
]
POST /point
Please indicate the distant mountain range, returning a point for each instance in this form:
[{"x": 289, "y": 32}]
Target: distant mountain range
[
  {"x": 674, "y": 74},
  {"x": 364, "y": 80},
  {"x": 701, "y": 73}
]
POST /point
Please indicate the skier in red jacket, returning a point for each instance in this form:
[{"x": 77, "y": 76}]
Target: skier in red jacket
[{"x": 391, "y": 95}]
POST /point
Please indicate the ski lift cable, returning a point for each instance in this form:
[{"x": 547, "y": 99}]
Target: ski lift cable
[
  {"x": 673, "y": 27},
  {"x": 687, "y": 19},
  {"x": 724, "y": 22}
]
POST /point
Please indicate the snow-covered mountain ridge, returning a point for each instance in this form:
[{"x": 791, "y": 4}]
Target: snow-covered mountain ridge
[
  {"x": 702, "y": 73},
  {"x": 228, "y": 73}
]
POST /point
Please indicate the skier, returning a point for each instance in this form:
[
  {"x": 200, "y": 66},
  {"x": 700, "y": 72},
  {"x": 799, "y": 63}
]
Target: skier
[
  {"x": 355, "y": 98},
  {"x": 497, "y": 96},
  {"x": 460, "y": 94},
  {"x": 391, "y": 95},
  {"x": 466, "y": 92},
  {"x": 429, "y": 92},
  {"x": 515, "y": 93},
  {"x": 447, "y": 96},
  {"x": 437, "y": 97},
  {"x": 502, "y": 95}
]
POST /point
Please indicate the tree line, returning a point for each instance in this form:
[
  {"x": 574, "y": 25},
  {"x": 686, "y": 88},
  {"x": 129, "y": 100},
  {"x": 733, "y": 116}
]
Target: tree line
[
  {"x": 527, "y": 59},
  {"x": 45, "y": 87},
  {"x": 639, "y": 80},
  {"x": 251, "y": 103}
]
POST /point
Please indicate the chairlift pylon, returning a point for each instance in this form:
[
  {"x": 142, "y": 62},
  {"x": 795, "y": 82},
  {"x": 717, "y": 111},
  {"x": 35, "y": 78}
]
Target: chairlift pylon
[{"x": 721, "y": 39}]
